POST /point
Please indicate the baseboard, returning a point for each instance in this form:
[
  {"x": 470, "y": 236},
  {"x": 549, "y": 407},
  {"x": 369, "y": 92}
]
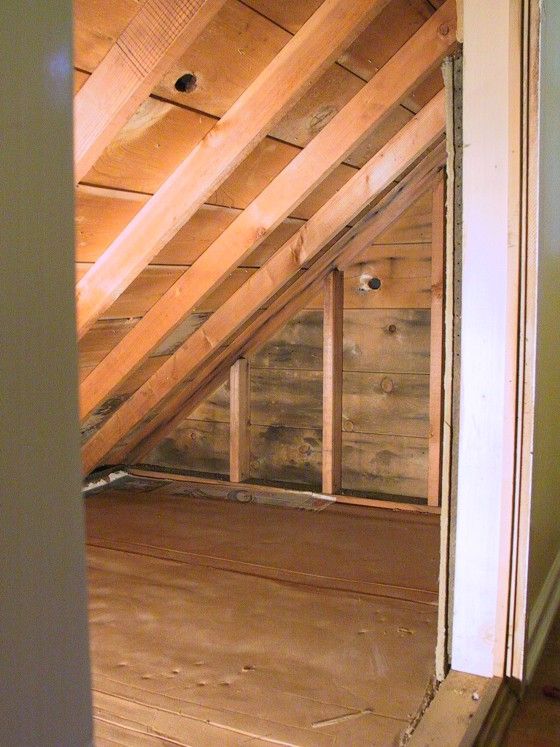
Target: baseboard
[
  {"x": 540, "y": 621},
  {"x": 541, "y": 617},
  {"x": 494, "y": 726}
]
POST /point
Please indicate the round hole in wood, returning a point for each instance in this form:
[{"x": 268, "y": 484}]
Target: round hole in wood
[
  {"x": 374, "y": 284},
  {"x": 186, "y": 83}
]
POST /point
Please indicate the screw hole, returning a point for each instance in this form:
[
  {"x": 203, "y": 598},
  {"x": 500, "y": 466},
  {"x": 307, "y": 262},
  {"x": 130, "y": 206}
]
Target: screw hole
[
  {"x": 374, "y": 284},
  {"x": 186, "y": 83}
]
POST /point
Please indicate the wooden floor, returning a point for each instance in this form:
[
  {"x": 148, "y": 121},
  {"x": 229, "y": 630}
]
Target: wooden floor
[
  {"x": 220, "y": 623},
  {"x": 536, "y": 722}
]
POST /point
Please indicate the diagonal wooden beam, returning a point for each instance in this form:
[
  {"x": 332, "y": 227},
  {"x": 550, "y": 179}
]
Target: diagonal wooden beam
[
  {"x": 417, "y": 58},
  {"x": 377, "y": 175},
  {"x": 159, "y": 33},
  {"x": 295, "y": 298},
  {"x": 211, "y": 376},
  {"x": 318, "y": 43}
]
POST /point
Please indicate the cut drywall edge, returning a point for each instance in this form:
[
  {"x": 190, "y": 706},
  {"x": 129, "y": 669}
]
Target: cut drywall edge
[{"x": 103, "y": 480}]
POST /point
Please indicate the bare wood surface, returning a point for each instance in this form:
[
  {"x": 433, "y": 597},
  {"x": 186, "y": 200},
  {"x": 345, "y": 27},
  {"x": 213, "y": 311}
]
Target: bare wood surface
[
  {"x": 239, "y": 43},
  {"x": 355, "y": 548},
  {"x": 298, "y": 64},
  {"x": 428, "y": 512},
  {"x": 209, "y": 663},
  {"x": 388, "y": 403},
  {"x": 384, "y": 340},
  {"x": 240, "y": 413},
  {"x": 463, "y": 695},
  {"x": 378, "y": 174},
  {"x": 387, "y": 465},
  {"x": 159, "y": 33},
  {"x": 188, "y": 632},
  {"x": 401, "y": 350},
  {"x": 436, "y": 345},
  {"x": 332, "y": 382},
  {"x": 212, "y": 375},
  {"x": 368, "y": 107},
  {"x": 378, "y": 220}
]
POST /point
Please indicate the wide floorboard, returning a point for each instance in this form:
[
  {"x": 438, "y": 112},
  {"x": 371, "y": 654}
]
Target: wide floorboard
[{"x": 192, "y": 652}]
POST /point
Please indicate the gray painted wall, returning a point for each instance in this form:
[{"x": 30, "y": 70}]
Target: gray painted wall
[
  {"x": 545, "y": 516},
  {"x": 44, "y": 666}
]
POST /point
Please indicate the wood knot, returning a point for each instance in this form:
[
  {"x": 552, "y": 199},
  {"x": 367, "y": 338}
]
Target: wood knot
[
  {"x": 387, "y": 385},
  {"x": 260, "y": 232},
  {"x": 443, "y": 30}
]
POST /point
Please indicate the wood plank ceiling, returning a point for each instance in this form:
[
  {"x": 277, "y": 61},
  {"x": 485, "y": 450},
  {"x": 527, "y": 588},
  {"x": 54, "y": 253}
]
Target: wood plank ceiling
[{"x": 221, "y": 147}]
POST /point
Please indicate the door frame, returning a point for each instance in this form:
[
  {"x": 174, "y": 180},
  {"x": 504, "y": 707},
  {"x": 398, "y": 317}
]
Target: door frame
[{"x": 489, "y": 473}]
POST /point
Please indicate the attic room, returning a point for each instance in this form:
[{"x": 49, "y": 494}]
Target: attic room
[{"x": 279, "y": 443}]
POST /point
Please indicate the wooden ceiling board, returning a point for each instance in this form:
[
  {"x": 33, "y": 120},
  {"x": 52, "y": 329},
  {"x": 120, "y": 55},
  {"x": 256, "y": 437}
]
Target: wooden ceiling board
[
  {"x": 386, "y": 35},
  {"x": 141, "y": 294},
  {"x": 388, "y": 127},
  {"x": 259, "y": 169},
  {"x": 133, "y": 382},
  {"x": 196, "y": 235},
  {"x": 374, "y": 46},
  {"x": 102, "y": 338},
  {"x": 324, "y": 191},
  {"x": 154, "y": 281},
  {"x": 159, "y": 136},
  {"x": 79, "y": 80},
  {"x": 101, "y": 214},
  {"x": 149, "y": 147},
  {"x": 313, "y": 111},
  {"x": 414, "y": 226},
  {"x": 428, "y": 88},
  {"x": 97, "y": 25},
  {"x": 206, "y": 225},
  {"x": 288, "y": 14},
  {"x": 226, "y": 58}
]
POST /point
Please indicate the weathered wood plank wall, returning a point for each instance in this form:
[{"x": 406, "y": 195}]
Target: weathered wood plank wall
[{"x": 385, "y": 389}]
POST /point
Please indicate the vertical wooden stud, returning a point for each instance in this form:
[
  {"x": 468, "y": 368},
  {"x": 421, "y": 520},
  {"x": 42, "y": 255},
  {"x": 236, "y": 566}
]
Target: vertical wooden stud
[
  {"x": 332, "y": 382},
  {"x": 436, "y": 343},
  {"x": 239, "y": 418}
]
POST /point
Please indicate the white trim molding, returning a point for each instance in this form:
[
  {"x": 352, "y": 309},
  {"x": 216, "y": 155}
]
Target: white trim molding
[{"x": 489, "y": 334}]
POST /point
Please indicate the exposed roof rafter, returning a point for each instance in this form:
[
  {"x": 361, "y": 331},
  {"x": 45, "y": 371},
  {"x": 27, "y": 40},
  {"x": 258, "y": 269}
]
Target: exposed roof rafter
[
  {"x": 160, "y": 32},
  {"x": 378, "y": 174},
  {"x": 341, "y": 254},
  {"x": 417, "y": 58},
  {"x": 317, "y": 45}
]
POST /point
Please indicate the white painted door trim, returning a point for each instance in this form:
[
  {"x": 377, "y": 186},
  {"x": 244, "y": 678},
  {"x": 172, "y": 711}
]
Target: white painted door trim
[{"x": 489, "y": 334}]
